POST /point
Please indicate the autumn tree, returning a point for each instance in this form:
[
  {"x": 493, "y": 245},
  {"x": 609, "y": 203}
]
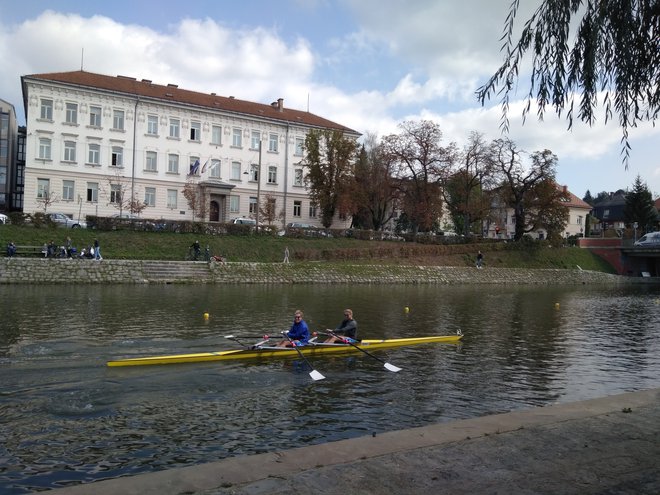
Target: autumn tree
[
  {"x": 118, "y": 191},
  {"x": 195, "y": 195},
  {"x": 640, "y": 207},
  {"x": 329, "y": 161},
  {"x": 374, "y": 192},
  {"x": 612, "y": 55},
  {"x": 531, "y": 191},
  {"x": 420, "y": 165},
  {"x": 464, "y": 192},
  {"x": 268, "y": 210}
]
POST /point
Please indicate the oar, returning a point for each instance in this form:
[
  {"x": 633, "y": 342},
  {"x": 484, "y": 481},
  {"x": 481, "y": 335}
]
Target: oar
[
  {"x": 387, "y": 365},
  {"x": 314, "y": 374}
]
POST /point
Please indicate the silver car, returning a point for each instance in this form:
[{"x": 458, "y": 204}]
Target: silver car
[
  {"x": 4, "y": 218},
  {"x": 65, "y": 221}
]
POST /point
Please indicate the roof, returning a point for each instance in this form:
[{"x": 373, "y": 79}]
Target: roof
[
  {"x": 131, "y": 87},
  {"x": 574, "y": 201}
]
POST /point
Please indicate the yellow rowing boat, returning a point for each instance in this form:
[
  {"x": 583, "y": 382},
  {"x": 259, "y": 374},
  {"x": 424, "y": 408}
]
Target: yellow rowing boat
[{"x": 267, "y": 352}]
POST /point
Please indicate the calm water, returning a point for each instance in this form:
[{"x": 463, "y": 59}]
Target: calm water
[{"x": 66, "y": 418}]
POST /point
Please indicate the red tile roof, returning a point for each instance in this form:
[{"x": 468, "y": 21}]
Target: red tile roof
[
  {"x": 130, "y": 86},
  {"x": 574, "y": 201}
]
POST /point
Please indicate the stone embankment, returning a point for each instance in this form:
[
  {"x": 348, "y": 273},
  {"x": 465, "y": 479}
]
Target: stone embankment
[{"x": 67, "y": 271}]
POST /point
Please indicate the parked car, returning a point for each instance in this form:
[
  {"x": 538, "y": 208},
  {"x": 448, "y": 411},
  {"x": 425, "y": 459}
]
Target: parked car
[
  {"x": 652, "y": 239},
  {"x": 244, "y": 221},
  {"x": 4, "y": 218},
  {"x": 65, "y": 221}
]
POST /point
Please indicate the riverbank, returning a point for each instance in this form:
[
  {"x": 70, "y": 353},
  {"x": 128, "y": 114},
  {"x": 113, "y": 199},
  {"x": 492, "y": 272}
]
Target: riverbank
[
  {"x": 605, "y": 445},
  {"x": 70, "y": 271}
]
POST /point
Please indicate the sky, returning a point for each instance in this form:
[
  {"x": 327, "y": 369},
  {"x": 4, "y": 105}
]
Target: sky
[{"x": 367, "y": 64}]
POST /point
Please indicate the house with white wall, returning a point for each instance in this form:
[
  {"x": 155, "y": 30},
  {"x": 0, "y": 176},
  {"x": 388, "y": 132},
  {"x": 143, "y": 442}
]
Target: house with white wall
[{"x": 88, "y": 134}]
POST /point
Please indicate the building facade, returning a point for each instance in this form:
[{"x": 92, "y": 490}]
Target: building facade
[
  {"x": 8, "y": 154},
  {"x": 95, "y": 140}
]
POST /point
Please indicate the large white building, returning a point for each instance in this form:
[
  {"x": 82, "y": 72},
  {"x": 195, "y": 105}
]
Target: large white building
[{"x": 90, "y": 135}]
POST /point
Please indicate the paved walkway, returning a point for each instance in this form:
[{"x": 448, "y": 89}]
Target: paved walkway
[{"x": 602, "y": 446}]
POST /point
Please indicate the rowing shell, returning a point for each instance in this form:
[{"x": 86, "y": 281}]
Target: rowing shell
[{"x": 283, "y": 352}]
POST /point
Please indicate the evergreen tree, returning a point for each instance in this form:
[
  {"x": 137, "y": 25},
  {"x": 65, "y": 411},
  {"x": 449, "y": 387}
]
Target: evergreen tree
[
  {"x": 639, "y": 207},
  {"x": 588, "y": 198}
]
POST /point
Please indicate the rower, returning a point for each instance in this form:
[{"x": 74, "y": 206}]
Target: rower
[{"x": 347, "y": 328}]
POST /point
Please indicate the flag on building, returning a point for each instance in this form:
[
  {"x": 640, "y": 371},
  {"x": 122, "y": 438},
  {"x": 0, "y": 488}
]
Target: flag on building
[
  {"x": 205, "y": 165},
  {"x": 194, "y": 168}
]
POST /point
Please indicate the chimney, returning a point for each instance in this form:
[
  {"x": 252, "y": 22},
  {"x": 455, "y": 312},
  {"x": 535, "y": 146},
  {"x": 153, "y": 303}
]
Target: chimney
[
  {"x": 565, "y": 189},
  {"x": 280, "y": 104}
]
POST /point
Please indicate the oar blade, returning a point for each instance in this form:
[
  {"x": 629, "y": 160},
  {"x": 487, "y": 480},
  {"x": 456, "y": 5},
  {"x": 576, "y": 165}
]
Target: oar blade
[
  {"x": 392, "y": 368},
  {"x": 316, "y": 375}
]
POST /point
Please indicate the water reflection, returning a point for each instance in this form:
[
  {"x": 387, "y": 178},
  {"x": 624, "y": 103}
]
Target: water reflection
[{"x": 66, "y": 418}]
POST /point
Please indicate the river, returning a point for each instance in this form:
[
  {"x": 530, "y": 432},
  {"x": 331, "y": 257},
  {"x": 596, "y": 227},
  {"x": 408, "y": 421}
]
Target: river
[{"x": 66, "y": 418}]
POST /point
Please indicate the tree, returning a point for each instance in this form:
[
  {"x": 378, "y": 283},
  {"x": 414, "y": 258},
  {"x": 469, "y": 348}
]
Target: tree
[
  {"x": 420, "y": 165},
  {"x": 118, "y": 193},
  {"x": 531, "y": 192},
  {"x": 195, "y": 195},
  {"x": 374, "y": 192},
  {"x": 588, "y": 198},
  {"x": 329, "y": 160},
  {"x": 640, "y": 207},
  {"x": 615, "y": 51},
  {"x": 464, "y": 190},
  {"x": 46, "y": 199},
  {"x": 268, "y": 210}
]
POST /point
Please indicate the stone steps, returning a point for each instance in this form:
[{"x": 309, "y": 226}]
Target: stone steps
[{"x": 176, "y": 271}]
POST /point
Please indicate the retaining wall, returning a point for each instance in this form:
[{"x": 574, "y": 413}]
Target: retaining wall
[{"x": 66, "y": 271}]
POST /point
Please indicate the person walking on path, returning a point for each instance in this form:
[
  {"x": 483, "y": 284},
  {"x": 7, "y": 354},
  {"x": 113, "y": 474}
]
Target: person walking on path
[
  {"x": 480, "y": 259},
  {"x": 97, "y": 250}
]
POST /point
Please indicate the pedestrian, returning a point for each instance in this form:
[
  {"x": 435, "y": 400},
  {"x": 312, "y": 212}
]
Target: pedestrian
[
  {"x": 11, "y": 249},
  {"x": 97, "y": 250},
  {"x": 480, "y": 259},
  {"x": 346, "y": 329},
  {"x": 196, "y": 250},
  {"x": 298, "y": 334}
]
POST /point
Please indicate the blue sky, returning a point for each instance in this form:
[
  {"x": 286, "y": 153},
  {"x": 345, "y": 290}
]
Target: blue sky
[{"x": 367, "y": 64}]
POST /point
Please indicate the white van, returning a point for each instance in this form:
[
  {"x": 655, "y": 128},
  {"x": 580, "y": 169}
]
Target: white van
[{"x": 652, "y": 239}]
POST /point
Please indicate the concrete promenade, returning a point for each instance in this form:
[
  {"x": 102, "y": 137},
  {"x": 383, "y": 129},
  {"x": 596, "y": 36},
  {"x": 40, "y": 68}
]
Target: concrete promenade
[{"x": 609, "y": 445}]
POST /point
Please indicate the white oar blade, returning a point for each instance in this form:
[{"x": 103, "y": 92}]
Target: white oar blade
[
  {"x": 316, "y": 375},
  {"x": 229, "y": 336},
  {"x": 392, "y": 368}
]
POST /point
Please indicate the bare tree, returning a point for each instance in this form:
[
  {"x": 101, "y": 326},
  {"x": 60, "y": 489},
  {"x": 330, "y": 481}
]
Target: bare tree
[
  {"x": 421, "y": 165},
  {"x": 268, "y": 210},
  {"x": 46, "y": 199},
  {"x": 117, "y": 190},
  {"x": 615, "y": 51},
  {"x": 195, "y": 195},
  {"x": 531, "y": 191}
]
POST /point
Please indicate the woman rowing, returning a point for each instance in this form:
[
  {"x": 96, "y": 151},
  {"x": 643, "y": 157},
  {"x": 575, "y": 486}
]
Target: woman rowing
[
  {"x": 298, "y": 334},
  {"x": 346, "y": 329}
]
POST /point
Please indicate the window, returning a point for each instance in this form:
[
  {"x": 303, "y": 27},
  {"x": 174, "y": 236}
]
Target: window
[
  {"x": 253, "y": 206},
  {"x": 298, "y": 177},
  {"x": 94, "y": 154},
  {"x": 115, "y": 193},
  {"x": 46, "y": 109},
  {"x": 44, "y": 148},
  {"x": 69, "y": 151},
  {"x": 175, "y": 126},
  {"x": 272, "y": 174},
  {"x": 67, "y": 190},
  {"x": 272, "y": 143},
  {"x": 300, "y": 146},
  {"x": 152, "y": 125},
  {"x": 297, "y": 208},
  {"x": 171, "y": 198},
  {"x": 118, "y": 120},
  {"x": 151, "y": 161},
  {"x": 43, "y": 188},
  {"x": 71, "y": 113},
  {"x": 312, "y": 211},
  {"x": 234, "y": 204},
  {"x": 254, "y": 173},
  {"x": 173, "y": 164},
  {"x": 117, "y": 156},
  {"x": 95, "y": 116},
  {"x": 216, "y": 134},
  {"x": 237, "y": 138},
  {"x": 256, "y": 139},
  {"x": 150, "y": 196},
  {"x": 93, "y": 192},
  {"x": 236, "y": 171},
  {"x": 214, "y": 170},
  {"x": 195, "y": 131}
]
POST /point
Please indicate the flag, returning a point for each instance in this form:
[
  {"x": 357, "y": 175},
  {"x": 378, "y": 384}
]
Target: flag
[
  {"x": 205, "y": 165},
  {"x": 194, "y": 168}
]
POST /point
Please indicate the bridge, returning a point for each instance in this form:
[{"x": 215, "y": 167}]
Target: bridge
[{"x": 626, "y": 258}]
